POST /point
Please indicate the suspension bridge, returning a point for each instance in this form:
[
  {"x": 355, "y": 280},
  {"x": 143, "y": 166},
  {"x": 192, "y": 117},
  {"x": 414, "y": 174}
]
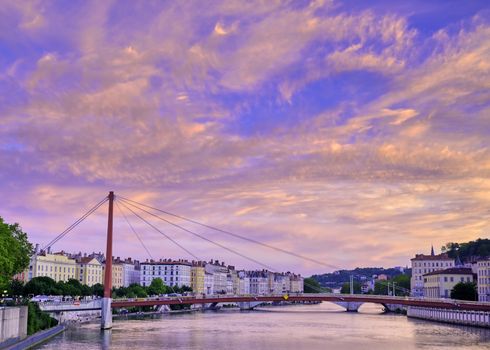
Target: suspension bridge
[{"x": 351, "y": 302}]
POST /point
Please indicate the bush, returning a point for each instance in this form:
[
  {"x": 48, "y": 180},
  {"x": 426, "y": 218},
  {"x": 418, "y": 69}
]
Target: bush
[{"x": 38, "y": 320}]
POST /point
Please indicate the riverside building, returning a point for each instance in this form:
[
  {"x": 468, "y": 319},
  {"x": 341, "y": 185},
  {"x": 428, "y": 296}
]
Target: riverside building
[
  {"x": 172, "y": 273},
  {"x": 89, "y": 271},
  {"x": 197, "y": 277},
  {"x": 423, "y": 264},
  {"x": 438, "y": 284},
  {"x": 56, "y": 266},
  {"x": 483, "y": 274}
]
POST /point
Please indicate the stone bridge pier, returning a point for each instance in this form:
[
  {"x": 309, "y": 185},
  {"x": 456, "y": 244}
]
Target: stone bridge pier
[
  {"x": 349, "y": 306},
  {"x": 395, "y": 308},
  {"x": 248, "y": 305}
]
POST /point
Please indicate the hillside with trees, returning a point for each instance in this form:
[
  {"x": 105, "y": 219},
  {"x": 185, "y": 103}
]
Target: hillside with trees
[
  {"x": 468, "y": 251},
  {"x": 336, "y": 279}
]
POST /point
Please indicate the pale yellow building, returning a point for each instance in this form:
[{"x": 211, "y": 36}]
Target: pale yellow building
[
  {"x": 117, "y": 274},
  {"x": 57, "y": 266},
  {"x": 197, "y": 279},
  {"x": 438, "y": 284},
  {"x": 89, "y": 271},
  {"x": 483, "y": 273}
]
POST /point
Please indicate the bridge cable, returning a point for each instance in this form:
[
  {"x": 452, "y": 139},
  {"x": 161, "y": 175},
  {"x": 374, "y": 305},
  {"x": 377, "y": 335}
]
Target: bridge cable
[
  {"x": 132, "y": 229},
  {"x": 218, "y": 244},
  {"x": 162, "y": 233},
  {"x": 130, "y": 202},
  {"x": 204, "y": 238},
  {"x": 76, "y": 223},
  {"x": 236, "y": 235},
  {"x": 141, "y": 241}
]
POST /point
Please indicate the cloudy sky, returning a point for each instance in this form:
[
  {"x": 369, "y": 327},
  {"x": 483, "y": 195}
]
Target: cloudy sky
[{"x": 353, "y": 132}]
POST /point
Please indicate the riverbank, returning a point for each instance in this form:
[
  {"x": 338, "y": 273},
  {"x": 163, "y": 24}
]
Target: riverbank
[{"x": 37, "y": 338}]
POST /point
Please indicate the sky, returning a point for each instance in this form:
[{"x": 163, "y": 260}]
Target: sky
[{"x": 352, "y": 132}]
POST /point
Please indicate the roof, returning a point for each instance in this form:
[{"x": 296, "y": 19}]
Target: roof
[
  {"x": 432, "y": 257},
  {"x": 452, "y": 271},
  {"x": 86, "y": 260},
  {"x": 166, "y": 263}
]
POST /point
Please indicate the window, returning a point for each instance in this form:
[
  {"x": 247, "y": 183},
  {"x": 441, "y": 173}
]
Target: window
[
  {"x": 451, "y": 279},
  {"x": 445, "y": 278}
]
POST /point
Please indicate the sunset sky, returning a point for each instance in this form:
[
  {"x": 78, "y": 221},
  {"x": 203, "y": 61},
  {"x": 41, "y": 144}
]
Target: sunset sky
[{"x": 353, "y": 132}]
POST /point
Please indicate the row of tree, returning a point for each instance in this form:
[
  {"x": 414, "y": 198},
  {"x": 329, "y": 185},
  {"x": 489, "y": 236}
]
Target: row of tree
[
  {"x": 73, "y": 288},
  {"x": 468, "y": 251}
]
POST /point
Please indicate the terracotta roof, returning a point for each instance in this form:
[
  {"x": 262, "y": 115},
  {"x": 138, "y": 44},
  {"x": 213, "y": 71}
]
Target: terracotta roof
[
  {"x": 432, "y": 257},
  {"x": 452, "y": 271}
]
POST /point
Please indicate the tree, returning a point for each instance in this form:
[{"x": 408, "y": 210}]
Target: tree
[
  {"x": 346, "y": 288},
  {"x": 15, "y": 251},
  {"x": 137, "y": 290},
  {"x": 97, "y": 290},
  {"x": 402, "y": 286},
  {"x": 311, "y": 285},
  {"x": 465, "y": 291},
  {"x": 16, "y": 288},
  {"x": 157, "y": 287},
  {"x": 42, "y": 285}
]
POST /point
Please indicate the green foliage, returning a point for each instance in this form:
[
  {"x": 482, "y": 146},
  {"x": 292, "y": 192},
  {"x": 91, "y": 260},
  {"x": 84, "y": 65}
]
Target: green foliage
[
  {"x": 337, "y": 278},
  {"x": 157, "y": 287},
  {"x": 465, "y": 291},
  {"x": 15, "y": 250},
  {"x": 47, "y": 286},
  {"x": 42, "y": 286},
  {"x": 15, "y": 288},
  {"x": 38, "y": 320},
  {"x": 346, "y": 288},
  {"x": 402, "y": 285},
  {"x": 468, "y": 251},
  {"x": 98, "y": 290},
  {"x": 312, "y": 286}
]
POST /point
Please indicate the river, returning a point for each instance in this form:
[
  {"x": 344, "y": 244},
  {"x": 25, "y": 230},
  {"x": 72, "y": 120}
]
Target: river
[{"x": 297, "y": 327}]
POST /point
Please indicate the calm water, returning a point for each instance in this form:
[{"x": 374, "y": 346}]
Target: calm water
[{"x": 291, "y": 327}]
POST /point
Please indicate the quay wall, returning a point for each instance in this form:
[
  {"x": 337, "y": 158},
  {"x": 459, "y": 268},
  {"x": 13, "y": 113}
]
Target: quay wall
[
  {"x": 13, "y": 324},
  {"x": 461, "y": 317}
]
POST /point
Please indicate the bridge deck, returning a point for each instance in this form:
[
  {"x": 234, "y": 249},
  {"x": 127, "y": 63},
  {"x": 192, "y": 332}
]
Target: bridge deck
[{"x": 437, "y": 303}]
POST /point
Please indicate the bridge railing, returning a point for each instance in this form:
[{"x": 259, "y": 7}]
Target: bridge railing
[{"x": 339, "y": 297}]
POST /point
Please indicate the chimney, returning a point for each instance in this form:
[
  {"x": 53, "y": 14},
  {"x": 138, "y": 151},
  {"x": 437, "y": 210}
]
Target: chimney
[
  {"x": 49, "y": 250},
  {"x": 36, "y": 251}
]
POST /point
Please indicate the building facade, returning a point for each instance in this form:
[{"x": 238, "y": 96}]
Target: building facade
[
  {"x": 243, "y": 283},
  {"x": 438, "y": 284},
  {"x": 259, "y": 282},
  {"x": 220, "y": 273},
  {"x": 297, "y": 283},
  {"x": 208, "y": 283},
  {"x": 131, "y": 272},
  {"x": 423, "y": 264},
  {"x": 56, "y": 266},
  {"x": 89, "y": 271},
  {"x": 483, "y": 281},
  {"x": 197, "y": 278},
  {"x": 172, "y": 273}
]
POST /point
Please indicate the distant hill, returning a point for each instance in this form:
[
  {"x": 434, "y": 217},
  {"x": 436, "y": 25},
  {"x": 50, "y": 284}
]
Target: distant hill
[
  {"x": 469, "y": 251},
  {"x": 337, "y": 278}
]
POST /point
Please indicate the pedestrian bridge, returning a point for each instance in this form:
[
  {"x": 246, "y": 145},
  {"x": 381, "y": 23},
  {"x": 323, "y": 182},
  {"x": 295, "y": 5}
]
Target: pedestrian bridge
[{"x": 351, "y": 302}]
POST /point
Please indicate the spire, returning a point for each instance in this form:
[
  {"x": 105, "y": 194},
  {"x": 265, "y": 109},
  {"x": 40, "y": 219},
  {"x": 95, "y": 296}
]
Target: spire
[
  {"x": 458, "y": 262},
  {"x": 432, "y": 250}
]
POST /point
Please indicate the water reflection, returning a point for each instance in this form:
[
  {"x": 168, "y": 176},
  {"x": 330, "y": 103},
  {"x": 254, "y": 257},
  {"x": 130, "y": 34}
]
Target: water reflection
[{"x": 292, "y": 327}]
